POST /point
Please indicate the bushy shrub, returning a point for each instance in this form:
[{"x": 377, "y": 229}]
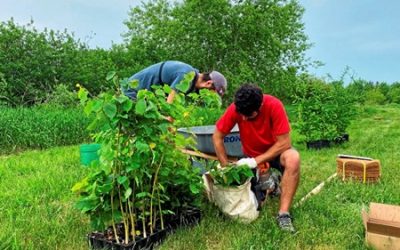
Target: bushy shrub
[
  {"x": 35, "y": 62},
  {"x": 375, "y": 96},
  {"x": 394, "y": 93},
  {"x": 324, "y": 110},
  {"x": 62, "y": 97}
]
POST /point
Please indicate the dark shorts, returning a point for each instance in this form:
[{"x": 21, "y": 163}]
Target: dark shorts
[
  {"x": 255, "y": 184},
  {"x": 276, "y": 163}
]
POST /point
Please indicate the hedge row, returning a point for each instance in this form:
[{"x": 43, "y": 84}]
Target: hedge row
[{"x": 41, "y": 127}]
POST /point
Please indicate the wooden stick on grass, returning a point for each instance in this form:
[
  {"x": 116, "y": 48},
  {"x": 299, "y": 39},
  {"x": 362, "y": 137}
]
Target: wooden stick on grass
[{"x": 315, "y": 191}]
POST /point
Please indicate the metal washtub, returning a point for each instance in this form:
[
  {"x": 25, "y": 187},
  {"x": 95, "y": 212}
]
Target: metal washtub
[{"x": 204, "y": 143}]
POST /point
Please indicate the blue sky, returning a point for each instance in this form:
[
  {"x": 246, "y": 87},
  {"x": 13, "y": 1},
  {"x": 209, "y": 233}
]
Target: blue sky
[{"x": 361, "y": 34}]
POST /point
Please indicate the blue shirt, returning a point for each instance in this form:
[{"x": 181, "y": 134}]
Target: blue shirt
[{"x": 172, "y": 73}]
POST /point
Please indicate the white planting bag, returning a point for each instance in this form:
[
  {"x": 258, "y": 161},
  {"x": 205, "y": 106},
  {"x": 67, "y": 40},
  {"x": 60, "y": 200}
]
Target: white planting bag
[{"x": 238, "y": 202}]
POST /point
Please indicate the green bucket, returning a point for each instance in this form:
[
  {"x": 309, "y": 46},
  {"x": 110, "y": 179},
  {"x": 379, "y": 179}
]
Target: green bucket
[{"x": 89, "y": 153}]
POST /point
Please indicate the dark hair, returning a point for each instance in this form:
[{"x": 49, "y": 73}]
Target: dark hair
[
  {"x": 206, "y": 76},
  {"x": 248, "y": 98}
]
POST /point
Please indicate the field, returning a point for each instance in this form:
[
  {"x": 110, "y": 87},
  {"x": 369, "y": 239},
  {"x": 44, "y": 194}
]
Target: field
[{"x": 36, "y": 204}]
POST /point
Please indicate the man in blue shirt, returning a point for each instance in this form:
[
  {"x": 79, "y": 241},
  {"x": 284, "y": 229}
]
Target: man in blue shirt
[{"x": 172, "y": 73}]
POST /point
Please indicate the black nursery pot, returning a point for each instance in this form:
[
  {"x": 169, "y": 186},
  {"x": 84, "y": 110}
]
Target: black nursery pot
[
  {"x": 189, "y": 217},
  {"x": 341, "y": 139},
  {"x": 318, "y": 144},
  {"x": 97, "y": 241},
  {"x": 185, "y": 218}
]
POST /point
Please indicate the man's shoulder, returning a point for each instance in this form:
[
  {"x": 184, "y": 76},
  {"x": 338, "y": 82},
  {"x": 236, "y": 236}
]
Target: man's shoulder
[
  {"x": 179, "y": 66},
  {"x": 271, "y": 100}
]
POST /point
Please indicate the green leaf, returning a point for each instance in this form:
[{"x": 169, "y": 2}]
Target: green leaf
[
  {"x": 92, "y": 125},
  {"x": 142, "y": 194},
  {"x": 106, "y": 188},
  {"x": 134, "y": 84},
  {"x": 122, "y": 98},
  {"x": 194, "y": 188},
  {"x": 160, "y": 92},
  {"x": 110, "y": 75},
  {"x": 97, "y": 105},
  {"x": 122, "y": 179},
  {"x": 80, "y": 186},
  {"x": 87, "y": 204},
  {"x": 83, "y": 95},
  {"x": 127, "y": 106},
  {"x": 124, "y": 83},
  {"x": 128, "y": 193},
  {"x": 110, "y": 109},
  {"x": 166, "y": 88},
  {"x": 236, "y": 176},
  {"x": 132, "y": 167},
  {"x": 89, "y": 107},
  {"x": 142, "y": 147},
  {"x": 140, "y": 107},
  {"x": 184, "y": 85}
]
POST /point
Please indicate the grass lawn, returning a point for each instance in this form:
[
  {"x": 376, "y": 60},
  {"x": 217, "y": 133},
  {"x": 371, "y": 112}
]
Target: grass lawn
[{"x": 36, "y": 204}]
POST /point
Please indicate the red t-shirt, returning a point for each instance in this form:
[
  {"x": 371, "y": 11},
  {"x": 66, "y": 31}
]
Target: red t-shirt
[{"x": 257, "y": 135}]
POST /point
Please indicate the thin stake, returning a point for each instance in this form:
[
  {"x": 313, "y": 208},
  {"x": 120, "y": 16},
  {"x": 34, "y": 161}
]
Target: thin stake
[{"x": 315, "y": 191}]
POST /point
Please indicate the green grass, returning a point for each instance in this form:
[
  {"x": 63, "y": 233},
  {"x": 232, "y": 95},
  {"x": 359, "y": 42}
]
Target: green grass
[{"x": 36, "y": 205}]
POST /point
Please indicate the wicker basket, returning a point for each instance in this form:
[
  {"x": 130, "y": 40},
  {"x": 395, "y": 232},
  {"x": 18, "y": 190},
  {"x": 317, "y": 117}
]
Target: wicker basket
[{"x": 359, "y": 170}]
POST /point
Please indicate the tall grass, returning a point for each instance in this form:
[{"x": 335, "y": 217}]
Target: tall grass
[
  {"x": 36, "y": 205},
  {"x": 41, "y": 127}
]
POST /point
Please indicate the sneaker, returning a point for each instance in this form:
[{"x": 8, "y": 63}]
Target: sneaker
[{"x": 285, "y": 222}]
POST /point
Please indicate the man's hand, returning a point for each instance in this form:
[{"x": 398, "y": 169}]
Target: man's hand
[
  {"x": 250, "y": 162},
  {"x": 169, "y": 118}
]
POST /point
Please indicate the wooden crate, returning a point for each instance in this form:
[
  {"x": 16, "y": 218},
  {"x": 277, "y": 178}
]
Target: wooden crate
[{"x": 359, "y": 170}]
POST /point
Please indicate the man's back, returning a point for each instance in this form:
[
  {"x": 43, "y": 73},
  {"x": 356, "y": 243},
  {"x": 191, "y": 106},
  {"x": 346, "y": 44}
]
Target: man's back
[{"x": 168, "y": 72}]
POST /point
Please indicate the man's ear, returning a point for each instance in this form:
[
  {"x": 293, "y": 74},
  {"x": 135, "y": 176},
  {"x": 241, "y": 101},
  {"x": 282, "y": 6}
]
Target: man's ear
[
  {"x": 208, "y": 84},
  {"x": 205, "y": 84}
]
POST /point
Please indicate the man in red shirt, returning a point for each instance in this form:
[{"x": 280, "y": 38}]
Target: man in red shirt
[{"x": 265, "y": 136}]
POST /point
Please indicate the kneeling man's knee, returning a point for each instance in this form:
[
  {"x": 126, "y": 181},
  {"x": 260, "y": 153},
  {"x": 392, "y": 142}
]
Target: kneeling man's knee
[{"x": 290, "y": 159}]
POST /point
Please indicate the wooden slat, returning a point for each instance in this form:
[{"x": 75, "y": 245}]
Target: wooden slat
[{"x": 206, "y": 156}]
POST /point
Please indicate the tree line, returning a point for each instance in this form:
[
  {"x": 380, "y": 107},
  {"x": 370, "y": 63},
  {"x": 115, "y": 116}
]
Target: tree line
[{"x": 259, "y": 41}]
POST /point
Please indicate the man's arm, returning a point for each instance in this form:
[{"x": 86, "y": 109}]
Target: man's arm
[
  {"x": 171, "y": 96},
  {"x": 218, "y": 140},
  {"x": 282, "y": 144}
]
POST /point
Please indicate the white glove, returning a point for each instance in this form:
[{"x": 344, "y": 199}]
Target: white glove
[{"x": 251, "y": 162}]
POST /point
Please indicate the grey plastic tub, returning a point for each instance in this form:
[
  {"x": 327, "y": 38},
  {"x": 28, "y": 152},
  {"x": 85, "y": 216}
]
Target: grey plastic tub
[{"x": 204, "y": 143}]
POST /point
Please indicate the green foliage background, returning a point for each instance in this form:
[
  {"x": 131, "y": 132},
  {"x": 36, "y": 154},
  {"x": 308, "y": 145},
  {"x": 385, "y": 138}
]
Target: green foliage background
[
  {"x": 209, "y": 35},
  {"x": 249, "y": 41},
  {"x": 222, "y": 35}
]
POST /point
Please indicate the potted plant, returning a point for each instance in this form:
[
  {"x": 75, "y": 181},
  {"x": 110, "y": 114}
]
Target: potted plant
[
  {"x": 346, "y": 111},
  {"x": 324, "y": 113},
  {"x": 142, "y": 184}
]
